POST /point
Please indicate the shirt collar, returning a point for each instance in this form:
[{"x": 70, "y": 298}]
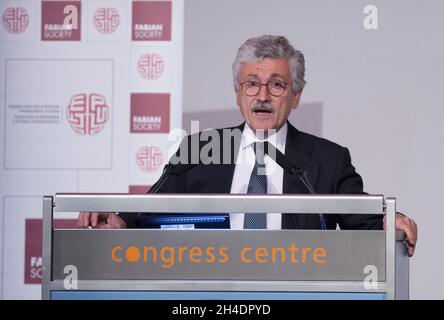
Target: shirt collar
[{"x": 277, "y": 139}]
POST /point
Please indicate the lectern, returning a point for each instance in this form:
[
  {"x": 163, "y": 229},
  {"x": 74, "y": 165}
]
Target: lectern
[{"x": 223, "y": 264}]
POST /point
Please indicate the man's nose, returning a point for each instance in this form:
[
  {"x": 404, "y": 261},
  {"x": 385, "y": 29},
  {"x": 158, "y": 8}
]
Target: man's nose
[{"x": 263, "y": 94}]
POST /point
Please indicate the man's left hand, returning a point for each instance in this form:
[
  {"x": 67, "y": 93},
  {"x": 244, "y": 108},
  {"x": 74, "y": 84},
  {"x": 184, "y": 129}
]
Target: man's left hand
[{"x": 408, "y": 225}]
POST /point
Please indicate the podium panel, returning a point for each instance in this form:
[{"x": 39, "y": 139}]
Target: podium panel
[{"x": 223, "y": 264}]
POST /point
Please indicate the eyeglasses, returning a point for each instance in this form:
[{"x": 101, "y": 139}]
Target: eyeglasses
[{"x": 252, "y": 87}]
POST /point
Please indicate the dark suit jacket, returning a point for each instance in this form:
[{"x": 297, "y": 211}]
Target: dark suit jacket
[{"x": 327, "y": 164}]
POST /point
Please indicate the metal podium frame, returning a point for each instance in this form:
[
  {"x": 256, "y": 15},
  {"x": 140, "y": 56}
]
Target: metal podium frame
[{"x": 216, "y": 203}]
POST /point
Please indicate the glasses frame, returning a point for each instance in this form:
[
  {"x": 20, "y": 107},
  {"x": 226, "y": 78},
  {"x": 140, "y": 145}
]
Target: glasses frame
[{"x": 260, "y": 85}]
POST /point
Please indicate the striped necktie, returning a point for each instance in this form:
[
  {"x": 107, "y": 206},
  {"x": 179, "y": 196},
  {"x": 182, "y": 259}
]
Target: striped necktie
[{"x": 257, "y": 185}]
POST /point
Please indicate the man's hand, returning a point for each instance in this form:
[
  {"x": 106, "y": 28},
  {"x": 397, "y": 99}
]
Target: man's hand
[
  {"x": 408, "y": 225},
  {"x": 100, "y": 220}
]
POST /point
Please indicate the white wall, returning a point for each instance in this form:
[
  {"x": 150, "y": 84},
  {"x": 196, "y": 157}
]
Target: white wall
[{"x": 381, "y": 91}]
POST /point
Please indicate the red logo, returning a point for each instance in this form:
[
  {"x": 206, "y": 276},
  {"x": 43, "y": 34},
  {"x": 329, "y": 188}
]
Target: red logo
[
  {"x": 150, "y": 66},
  {"x": 61, "y": 20},
  {"x": 137, "y": 189},
  {"x": 150, "y": 113},
  {"x": 15, "y": 20},
  {"x": 149, "y": 158},
  {"x": 106, "y": 20},
  {"x": 87, "y": 114},
  {"x": 151, "y": 21},
  {"x": 33, "y": 246}
]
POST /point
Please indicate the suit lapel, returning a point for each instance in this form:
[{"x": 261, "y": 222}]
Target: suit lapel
[
  {"x": 224, "y": 172},
  {"x": 298, "y": 153}
]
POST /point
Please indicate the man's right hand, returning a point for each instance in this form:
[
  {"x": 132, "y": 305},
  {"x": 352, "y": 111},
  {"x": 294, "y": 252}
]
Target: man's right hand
[{"x": 100, "y": 220}]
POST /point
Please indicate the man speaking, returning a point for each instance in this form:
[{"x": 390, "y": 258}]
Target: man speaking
[{"x": 268, "y": 79}]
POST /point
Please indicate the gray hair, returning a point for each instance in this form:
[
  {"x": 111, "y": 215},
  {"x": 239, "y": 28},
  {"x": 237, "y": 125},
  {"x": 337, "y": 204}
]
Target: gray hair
[{"x": 276, "y": 47}]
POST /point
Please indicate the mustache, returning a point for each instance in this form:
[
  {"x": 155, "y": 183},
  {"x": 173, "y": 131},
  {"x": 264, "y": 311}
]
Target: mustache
[{"x": 262, "y": 106}]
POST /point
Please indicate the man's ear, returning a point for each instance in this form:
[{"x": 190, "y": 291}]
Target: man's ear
[
  {"x": 295, "y": 100},
  {"x": 237, "y": 97}
]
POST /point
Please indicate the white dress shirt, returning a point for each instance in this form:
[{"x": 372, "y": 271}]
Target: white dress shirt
[{"x": 244, "y": 166}]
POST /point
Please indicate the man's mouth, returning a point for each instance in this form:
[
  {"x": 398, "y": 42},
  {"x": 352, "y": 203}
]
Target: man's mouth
[{"x": 262, "y": 111}]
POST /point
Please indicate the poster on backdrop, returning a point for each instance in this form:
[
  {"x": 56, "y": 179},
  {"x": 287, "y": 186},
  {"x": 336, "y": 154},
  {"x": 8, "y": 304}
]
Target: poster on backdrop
[
  {"x": 60, "y": 119},
  {"x": 89, "y": 100}
]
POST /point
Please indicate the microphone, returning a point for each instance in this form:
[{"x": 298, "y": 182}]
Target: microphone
[
  {"x": 278, "y": 157},
  {"x": 168, "y": 170}
]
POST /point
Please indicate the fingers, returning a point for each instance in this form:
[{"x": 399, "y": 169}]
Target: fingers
[
  {"x": 105, "y": 226},
  {"x": 102, "y": 220},
  {"x": 92, "y": 219},
  {"x": 411, "y": 250},
  {"x": 83, "y": 220},
  {"x": 113, "y": 221},
  {"x": 412, "y": 243},
  {"x": 410, "y": 228}
]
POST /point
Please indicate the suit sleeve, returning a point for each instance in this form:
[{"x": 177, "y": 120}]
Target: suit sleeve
[{"x": 348, "y": 181}]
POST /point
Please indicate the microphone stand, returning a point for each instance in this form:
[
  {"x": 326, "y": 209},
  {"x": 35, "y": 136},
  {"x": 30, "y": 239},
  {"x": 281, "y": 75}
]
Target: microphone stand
[{"x": 284, "y": 163}]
